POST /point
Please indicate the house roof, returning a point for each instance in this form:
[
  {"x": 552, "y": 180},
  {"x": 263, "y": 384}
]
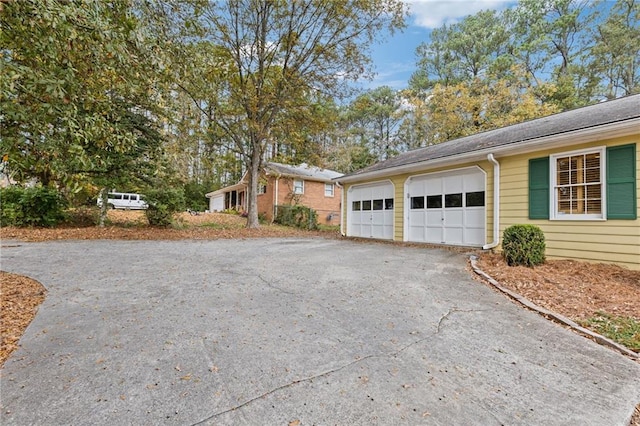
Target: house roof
[
  {"x": 531, "y": 135},
  {"x": 240, "y": 186},
  {"x": 302, "y": 171}
]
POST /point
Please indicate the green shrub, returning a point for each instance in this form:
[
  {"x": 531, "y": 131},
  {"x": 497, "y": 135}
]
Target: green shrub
[
  {"x": 298, "y": 216},
  {"x": 194, "y": 196},
  {"x": 523, "y": 245},
  {"x": 163, "y": 205},
  {"x": 36, "y": 206}
]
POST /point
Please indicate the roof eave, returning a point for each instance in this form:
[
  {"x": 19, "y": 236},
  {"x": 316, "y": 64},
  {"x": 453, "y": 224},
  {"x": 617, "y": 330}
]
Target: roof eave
[{"x": 586, "y": 135}]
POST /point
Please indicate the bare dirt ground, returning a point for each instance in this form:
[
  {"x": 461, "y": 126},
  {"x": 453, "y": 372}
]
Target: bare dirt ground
[{"x": 576, "y": 290}]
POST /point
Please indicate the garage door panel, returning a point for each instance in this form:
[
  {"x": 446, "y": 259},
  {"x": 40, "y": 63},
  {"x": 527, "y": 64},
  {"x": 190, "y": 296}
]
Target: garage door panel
[
  {"x": 474, "y": 218},
  {"x": 453, "y": 184},
  {"x": 435, "y": 235},
  {"x": 453, "y": 235},
  {"x": 474, "y": 236},
  {"x": 453, "y": 218}
]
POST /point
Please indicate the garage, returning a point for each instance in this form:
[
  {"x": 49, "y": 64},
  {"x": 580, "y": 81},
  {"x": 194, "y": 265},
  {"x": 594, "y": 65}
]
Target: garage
[
  {"x": 447, "y": 208},
  {"x": 370, "y": 211}
]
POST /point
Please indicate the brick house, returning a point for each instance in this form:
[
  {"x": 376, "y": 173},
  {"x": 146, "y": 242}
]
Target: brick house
[{"x": 282, "y": 184}]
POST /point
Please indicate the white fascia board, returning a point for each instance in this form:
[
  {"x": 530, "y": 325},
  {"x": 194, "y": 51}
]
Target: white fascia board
[{"x": 592, "y": 134}]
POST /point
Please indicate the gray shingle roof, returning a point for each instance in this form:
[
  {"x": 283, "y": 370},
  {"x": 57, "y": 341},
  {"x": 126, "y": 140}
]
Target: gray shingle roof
[
  {"x": 617, "y": 110},
  {"x": 303, "y": 171}
]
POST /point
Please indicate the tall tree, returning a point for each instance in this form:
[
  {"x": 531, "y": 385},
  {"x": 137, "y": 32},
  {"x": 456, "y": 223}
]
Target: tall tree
[
  {"x": 614, "y": 60},
  {"x": 277, "y": 53},
  {"x": 78, "y": 85},
  {"x": 463, "y": 51},
  {"x": 378, "y": 113},
  {"x": 550, "y": 38}
]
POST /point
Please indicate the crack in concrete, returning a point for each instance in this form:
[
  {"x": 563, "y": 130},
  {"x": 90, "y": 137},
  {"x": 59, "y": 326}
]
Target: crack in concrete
[
  {"x": 335, "y": 370},
  {"x": 276, "y": 389},
  {"x": 270, "y": 285}
]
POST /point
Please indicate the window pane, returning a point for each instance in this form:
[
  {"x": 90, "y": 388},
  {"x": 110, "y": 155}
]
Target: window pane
[
  {"x": 475, "y": 199},
  {"x": 564, "y": 207},
  {"x": 453, "y": 200},
  {"x": 417, "y": 202},
  {"x": 434, "y": 201},
  {"x": 328, "y": 190},
  {"x": 388, "y": 204},
  {"x": 563, "y": 178},
  {"x": 366, "y": 205},
  {"x": 377, "y": 204},
  {"x": 594, "y": 207},
  {"x": 355, "y": 206}
]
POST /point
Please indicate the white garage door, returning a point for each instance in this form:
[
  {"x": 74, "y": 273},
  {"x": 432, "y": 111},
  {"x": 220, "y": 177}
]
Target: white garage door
[
  {"x": 370, "y": 211},
  {"x": 447, "y": 208},
  {"x": 216, "y": 204}
]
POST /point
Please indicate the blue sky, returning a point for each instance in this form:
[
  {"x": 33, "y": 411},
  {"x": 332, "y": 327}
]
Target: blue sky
[{"x": 395, "y": 58}]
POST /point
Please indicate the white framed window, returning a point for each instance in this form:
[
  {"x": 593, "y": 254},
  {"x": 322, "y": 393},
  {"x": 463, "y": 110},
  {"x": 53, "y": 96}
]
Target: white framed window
[
  {"x": 262, "y": 189},
  {"x": 298, "y": 186},
  {"x": 577, "y": 181},
  {"x": 328, "y": 190}
]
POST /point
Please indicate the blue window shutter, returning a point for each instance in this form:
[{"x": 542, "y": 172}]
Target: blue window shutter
[
  {"x": 539, "y": 188},
  {"x": 621, "y": 182}
]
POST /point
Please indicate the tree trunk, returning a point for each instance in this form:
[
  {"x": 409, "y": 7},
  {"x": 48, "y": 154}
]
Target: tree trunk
[
  {"x": 104, "y": 196},
  {"x": 254, "y": 177}
]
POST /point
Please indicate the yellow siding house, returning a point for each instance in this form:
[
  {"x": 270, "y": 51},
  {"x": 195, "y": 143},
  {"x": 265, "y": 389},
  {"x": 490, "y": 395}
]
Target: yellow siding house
[{"x": 575, "y": 174}]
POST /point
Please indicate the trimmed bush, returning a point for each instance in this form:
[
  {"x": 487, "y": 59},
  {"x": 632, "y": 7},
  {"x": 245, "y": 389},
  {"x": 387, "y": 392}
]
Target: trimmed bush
[
  {"x": 36, "y": 206},
  {"x": 298, "y": 216},
  {"x": 163, "y": 205},
  {"x": 523, "y": 245}
]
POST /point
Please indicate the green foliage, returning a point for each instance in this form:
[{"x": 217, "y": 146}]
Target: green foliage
[
  {"x": 38, "y": 206},
  {"x": 523, "y": 245},
  {"x": 164, "y": 203},
  {"x": 78, "y": 81},
  {"x": 624, "y": 330},
  {"x": 298, "y": 216},
  {"x": 194, "y": 196}
]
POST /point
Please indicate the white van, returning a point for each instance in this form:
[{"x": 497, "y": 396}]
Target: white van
[{"x": 123, "y": 200}]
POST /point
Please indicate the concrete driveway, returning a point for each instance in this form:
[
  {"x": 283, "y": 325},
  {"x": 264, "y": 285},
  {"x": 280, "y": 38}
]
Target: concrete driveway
[{"x": 280, "y": 331}]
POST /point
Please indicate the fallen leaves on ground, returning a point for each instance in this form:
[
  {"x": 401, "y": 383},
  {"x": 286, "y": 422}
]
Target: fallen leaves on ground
[
  {"x": 20, "y": 297},
  {"x": 132, "y": 225},
  {"x": 577, "y": 290}
]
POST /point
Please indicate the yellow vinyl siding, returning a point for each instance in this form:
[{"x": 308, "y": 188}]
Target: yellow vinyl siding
[{"x": 593, "y": 240}]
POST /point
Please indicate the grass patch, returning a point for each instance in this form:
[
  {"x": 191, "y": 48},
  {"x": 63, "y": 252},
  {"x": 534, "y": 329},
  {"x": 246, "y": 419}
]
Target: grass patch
[
  {"x": 218, "y": 226},
  {"x": 329, "y": 228},
  {"x": 624, "y": 330}
]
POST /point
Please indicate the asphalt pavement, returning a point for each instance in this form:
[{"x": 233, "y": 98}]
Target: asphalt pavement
[{"x": 292, "y": 331}]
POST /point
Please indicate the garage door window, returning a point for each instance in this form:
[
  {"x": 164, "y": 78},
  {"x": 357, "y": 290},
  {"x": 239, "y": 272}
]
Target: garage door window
[
  {"x": 434, "y": 201},
  {"x": 355, "y": 206},
  {"x": 475, "y": 199},
  {"x": 417, "y": 202},
  {"x": 453, "y": 200},
  {"x": 378, "y": 204},
  {"x": 366, "y": 204},
  {"x": 388, "y": 204}
]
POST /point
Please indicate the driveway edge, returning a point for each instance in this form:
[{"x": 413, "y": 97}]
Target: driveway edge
[{"x": 550, "y": 314}]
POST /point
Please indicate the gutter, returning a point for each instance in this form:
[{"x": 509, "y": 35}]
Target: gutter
[{"x": 496, "y": 203}]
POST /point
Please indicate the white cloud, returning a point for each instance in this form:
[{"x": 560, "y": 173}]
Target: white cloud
[{"x": 433, "y": 13}]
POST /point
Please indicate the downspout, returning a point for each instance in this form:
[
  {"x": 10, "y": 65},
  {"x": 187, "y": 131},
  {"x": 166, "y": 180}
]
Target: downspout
[
  {"x": 342, "y": 201},
  {"x": 275, "y": 200},
  {"x": 496, "y": 203}
]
